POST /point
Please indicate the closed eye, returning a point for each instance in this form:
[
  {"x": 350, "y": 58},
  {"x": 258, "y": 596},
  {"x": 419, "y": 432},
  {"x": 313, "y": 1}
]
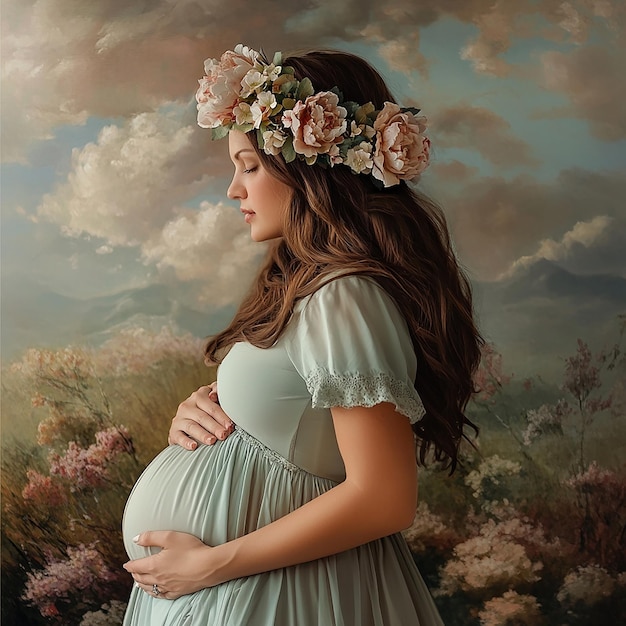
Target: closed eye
[{"x": 250, "y": 170}]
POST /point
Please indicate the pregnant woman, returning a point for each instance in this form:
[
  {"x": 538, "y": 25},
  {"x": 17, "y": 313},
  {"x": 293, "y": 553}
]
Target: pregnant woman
[{"x": 350, "y": 359}]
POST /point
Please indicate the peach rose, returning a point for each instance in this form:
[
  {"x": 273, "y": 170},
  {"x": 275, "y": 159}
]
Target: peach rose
[
  {"x": 220, "y": 88},
  {"x": 402, "y": 152},
  {"x": 317, "y": 124}
]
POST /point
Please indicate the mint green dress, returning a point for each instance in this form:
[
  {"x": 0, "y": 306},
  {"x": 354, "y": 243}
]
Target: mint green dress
[{"x": 346, "y": 345}]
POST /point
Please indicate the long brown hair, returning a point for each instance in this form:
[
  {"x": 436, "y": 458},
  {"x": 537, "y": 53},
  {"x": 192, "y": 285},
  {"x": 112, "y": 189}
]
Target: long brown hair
[{"x": 340, "y": 222}]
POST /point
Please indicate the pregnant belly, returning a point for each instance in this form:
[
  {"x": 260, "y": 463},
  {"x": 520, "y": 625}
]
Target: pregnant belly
[
  {"x": 184, "y": 491},
  {"x": 217, "y": 493}
]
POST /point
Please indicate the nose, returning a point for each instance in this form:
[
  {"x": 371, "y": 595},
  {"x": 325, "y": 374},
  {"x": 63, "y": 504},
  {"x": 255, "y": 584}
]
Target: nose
[{"x": 236, "y": 190}]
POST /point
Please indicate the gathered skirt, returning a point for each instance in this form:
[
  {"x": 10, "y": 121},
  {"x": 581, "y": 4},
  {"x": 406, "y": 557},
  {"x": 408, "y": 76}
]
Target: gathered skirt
[{"x": 221, "y": 492}]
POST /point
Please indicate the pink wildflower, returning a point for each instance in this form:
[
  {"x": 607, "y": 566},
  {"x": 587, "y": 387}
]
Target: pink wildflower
[
  {"x": 83, "y": 569},
  {"x": 43, "y": 490}
]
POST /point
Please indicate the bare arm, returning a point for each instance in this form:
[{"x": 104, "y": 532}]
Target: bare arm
[{"x": 377, "y": 498}]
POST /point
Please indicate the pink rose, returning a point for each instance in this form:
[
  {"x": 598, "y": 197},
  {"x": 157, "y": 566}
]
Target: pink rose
[
  {"x": 402, "y": 152},
  {"x": 220, "y": 88},
  {"x": 317, "y": 124},
  {"x": 235, "y": 64}
]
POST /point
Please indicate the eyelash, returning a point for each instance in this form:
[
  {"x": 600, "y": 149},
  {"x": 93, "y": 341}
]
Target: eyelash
[{"x": 249, "y": 171}]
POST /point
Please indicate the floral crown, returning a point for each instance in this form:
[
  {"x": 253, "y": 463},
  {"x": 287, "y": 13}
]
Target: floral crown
[{"x": 244, "y": 91}]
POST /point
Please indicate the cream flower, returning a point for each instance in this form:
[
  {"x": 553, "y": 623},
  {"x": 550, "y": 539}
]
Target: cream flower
[
  {"x": 272, "y": 72},
  {"x": 252, "y": 82},
  {"x": 402, "y": 152},
  {"x": 263, "y": 107},
  {"x": 273, "y": 141},
  {"x": 243, "y": 114},
  {"x": 317, "y": 124},
  {"x": 334, "y": 156},
  {"x": 359, "y": 159}
]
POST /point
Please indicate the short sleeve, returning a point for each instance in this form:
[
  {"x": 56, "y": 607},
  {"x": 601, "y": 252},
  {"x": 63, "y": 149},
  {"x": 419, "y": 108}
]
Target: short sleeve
[{"x": 351, "y": 345}]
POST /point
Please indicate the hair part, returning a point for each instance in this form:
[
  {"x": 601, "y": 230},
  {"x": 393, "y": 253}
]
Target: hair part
[{"x": 338, "y": 222}]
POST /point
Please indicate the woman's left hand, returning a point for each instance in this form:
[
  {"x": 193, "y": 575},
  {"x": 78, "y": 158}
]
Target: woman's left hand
[{"x": 178, "y": 569}]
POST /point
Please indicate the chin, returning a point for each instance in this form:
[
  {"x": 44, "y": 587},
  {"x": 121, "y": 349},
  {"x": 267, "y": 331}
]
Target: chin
[{"x": 264, "y": 236}]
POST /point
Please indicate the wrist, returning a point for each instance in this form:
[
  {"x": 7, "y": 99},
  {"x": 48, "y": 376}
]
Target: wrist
[{"x": 220, "y": 568}]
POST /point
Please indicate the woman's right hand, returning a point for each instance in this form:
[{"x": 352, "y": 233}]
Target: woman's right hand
[{"x": 200, "y": 419}]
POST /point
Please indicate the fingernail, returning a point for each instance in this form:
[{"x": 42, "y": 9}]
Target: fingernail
[
  {"x": 192, "y": 445},
  {"x": 223, "y": 434},
  {"x": 210, "y": 440},
  {"x": 136, "y": 538}
]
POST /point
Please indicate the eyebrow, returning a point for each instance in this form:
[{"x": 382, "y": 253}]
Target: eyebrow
[{"x": 236, "y": 157}]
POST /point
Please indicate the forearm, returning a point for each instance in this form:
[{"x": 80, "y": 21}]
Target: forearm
[{"x": 340, "y": 519}]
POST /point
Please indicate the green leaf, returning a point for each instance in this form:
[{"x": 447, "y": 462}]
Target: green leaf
[
  {"x": 305, "y": 89},
  {"x": 363, "y": 112},
  {"x": 220, "y": 132},
  {"x": 288, "y": 103},
  {"x": 277, "y": 58},
  {"x": 244, "y": 128},
  {"x": 289, "y": 154},
  {"x": 259, "y": 138}
]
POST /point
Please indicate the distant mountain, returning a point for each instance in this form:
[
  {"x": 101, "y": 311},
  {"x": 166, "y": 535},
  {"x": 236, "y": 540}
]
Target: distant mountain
[
  {"x": 32, "y": 318},
  {"x": 533, "y": 317},
  {"x": 547, "y": 279},
  {"x": 536, "y": 316}
]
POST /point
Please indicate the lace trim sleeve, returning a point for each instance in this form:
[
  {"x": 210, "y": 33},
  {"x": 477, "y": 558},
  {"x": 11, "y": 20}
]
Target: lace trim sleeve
[{"x": 354, "y": 389}]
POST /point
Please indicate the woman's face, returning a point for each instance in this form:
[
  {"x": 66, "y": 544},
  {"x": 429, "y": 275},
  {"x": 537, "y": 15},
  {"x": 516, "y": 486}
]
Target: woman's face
[{"x": 263, "y": 198}]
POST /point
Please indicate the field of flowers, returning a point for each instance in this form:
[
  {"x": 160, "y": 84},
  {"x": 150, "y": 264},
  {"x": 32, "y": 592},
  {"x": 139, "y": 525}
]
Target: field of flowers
[{"x": 530, "y": 530}]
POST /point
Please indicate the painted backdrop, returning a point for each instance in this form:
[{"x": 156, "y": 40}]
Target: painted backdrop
[{"x": 120, "y": 252}]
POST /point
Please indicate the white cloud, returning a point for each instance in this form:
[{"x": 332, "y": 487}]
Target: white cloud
[
  {"x": 61, "y": 66},
  {"x": 582, "y": 233},
  {"x": 108, "y": 59},
  {"x": 124, "y": 187},
  {"x": 497, "y": 220},
  {"x": 211, "y": 246}
]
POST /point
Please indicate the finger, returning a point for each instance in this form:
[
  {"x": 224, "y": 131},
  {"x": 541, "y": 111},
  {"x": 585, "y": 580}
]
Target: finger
[
  {"x": 152, "y": 538},
  {"x": 208, "y": 415},
  {"x": 179, "y": 438},
  {"x": 150, "y": 590},
  {"x": 200, "y": 427},
  {"x": 213, "y": 392},
  {"x": 211, "y": 408}
]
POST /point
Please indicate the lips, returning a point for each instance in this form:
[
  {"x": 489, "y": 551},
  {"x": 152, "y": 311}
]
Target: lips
[{"x": 247, "y": 214}]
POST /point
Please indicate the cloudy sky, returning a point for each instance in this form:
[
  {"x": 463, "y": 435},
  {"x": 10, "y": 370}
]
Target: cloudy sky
[{"x": 113, "y": 201}]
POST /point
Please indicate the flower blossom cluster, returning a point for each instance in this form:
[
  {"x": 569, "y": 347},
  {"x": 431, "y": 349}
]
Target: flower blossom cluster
[
  {"x": 588, "y": 585},
  {"x": 43, "y": 489},
  {"x": 110, "y": 614},
  {"x": 544, "y": 420},
  {"x": 244, "y": 91},
  {"x": 69, "y": 364},
  {"x": 493, "y": 558},
  {"x": 88, "y": 468},
  {"x": 133, "y": 350},
  {"x": 581, "y": 375},
  {"x": 489, "y": 473},
  {"x": 489, "y": 377},
  {"x": 511, "y": 608},
  {"x": 83, "y": 569},
  {"x": 428, "y": 530},
  {"x": 596, "y": 479}
]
